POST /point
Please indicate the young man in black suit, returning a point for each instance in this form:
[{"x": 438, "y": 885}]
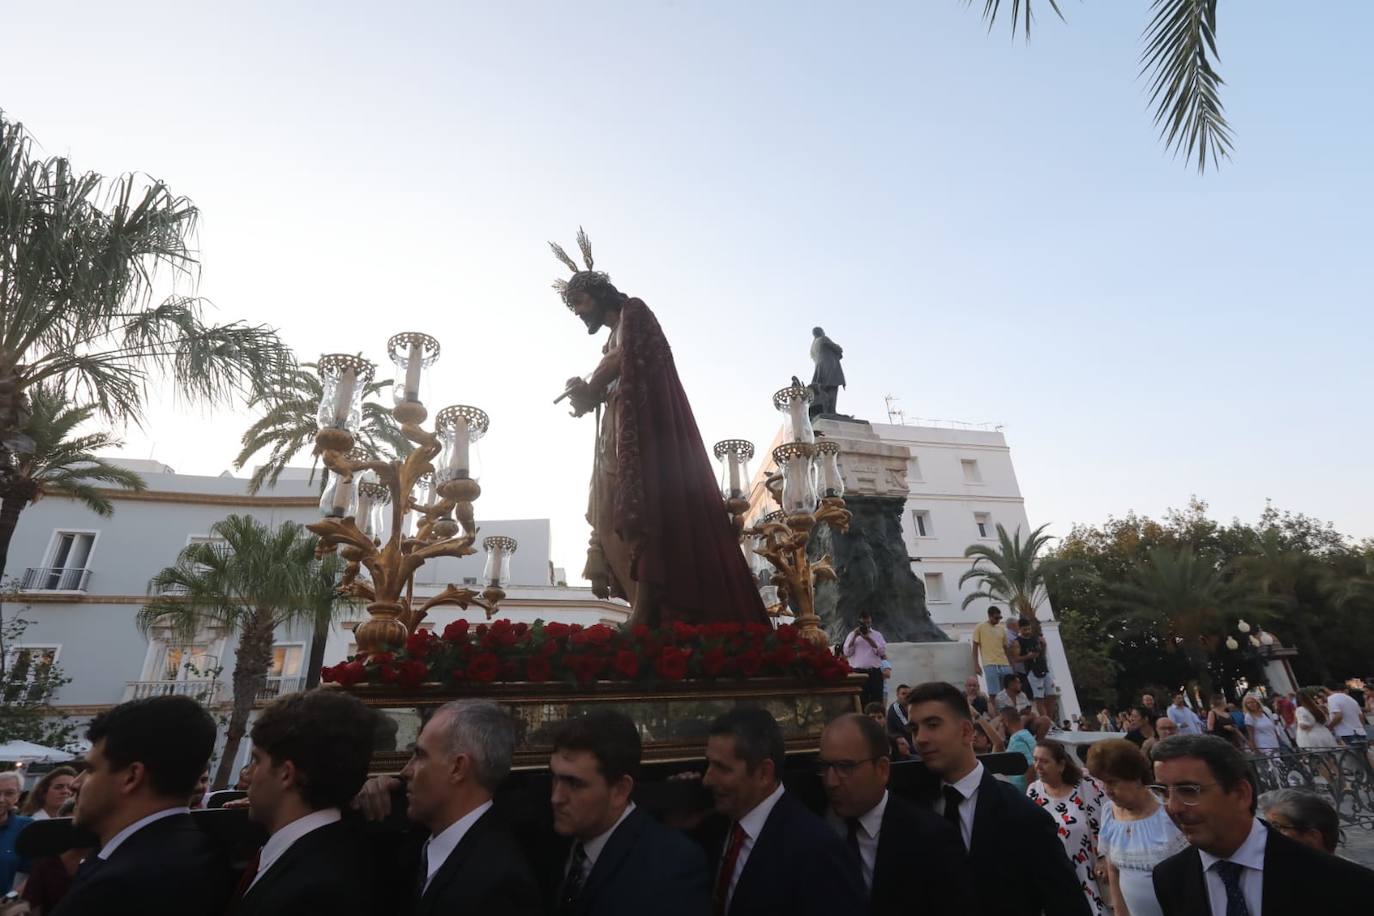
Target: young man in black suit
[
  {"x": 1235, "y": 864},
  {"x": 1018, "y": 864},
  {"x": 145, "y": 758},
  {"x": 310, "y": 757},
  {"x": 622, "y": 861},
  {"x": 773, "y": 838},
  {"x": 911, "y": 861},
  {"x": 471, "y": 862}
]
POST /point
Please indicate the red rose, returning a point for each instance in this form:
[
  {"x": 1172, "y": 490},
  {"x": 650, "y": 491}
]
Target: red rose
[
  {"x": 538, "y": 668},
  {"x": 626, "y": 663},
  {"x": 388, "y": 673},
  {"x": 412, "y": 673},
  {"x": 556, "y": 630},
  {"x": 640, "y": 631},
  {"x": 672, "y": 664},
  {"x": 750, "y": 662},
  {"x": 757, "y": 629},
  {"x": 783, "y": 656},
  {"x": 787, "y": 633},
  {"x": 381, "y": 658},
  {"x": 417, "y": 644},
  {"x": 685, "y": 630},
  {"x": 456, "y": 631},
  {"x": 713, "y": 662},
  {"x": 484, "y": 668}
]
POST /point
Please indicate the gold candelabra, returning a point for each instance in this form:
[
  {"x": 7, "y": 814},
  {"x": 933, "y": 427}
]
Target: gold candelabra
[
  {"x": 809, "y": 491},
  {"x": 430, "y": 507}
]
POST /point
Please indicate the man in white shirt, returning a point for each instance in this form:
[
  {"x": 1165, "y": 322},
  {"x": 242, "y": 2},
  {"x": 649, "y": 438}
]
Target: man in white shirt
[
  {"x": 1345, "y": 719},
  {"x": 310, "y": 756},
  {"x": 471, "y": 862},
  {"x": 772, "y": 837},
  {"x": 909, "y": 858},
  {"x": 145, "y": 758},
  {"x": 1011, "y": 695},
  {"x": 866, "y": 650},
  {"x": 1187, "y": 721},
  {"x": 1235, "y": 864},
  {"x": 621, "y": 862}
]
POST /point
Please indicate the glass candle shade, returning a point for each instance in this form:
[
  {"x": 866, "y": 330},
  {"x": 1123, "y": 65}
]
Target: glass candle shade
[
  {"x": 339, "y": 499},
  {"x": 422, "y": 495},
  {"x": 794, "y": 403},
  {"x": 343, "y": 378},
  {"x": 458, "y": 427},
  {"x": 370, "y": 514},
  {"x": 734, "y": 455},
  {"x": 796, "y": 462},
  {"x": 832, "y": 482},
  {"x": 411, "y": 353},
  {"x": 496, "y": 573}
]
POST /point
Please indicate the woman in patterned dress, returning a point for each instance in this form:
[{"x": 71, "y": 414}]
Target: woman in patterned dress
[{"x": 1075, "y": 802}]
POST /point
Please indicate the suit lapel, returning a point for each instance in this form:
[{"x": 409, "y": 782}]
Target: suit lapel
[
  {"x": 756, "y": 864},
  {"x": 889, "y": 835},
  {"x": 985, "y": 814},
  {"x": 294, "y": 852},
  {"x": 1278, "y": 883},
  {"x": 612, "y": 856},
  {"x": 454, "y": 863}
]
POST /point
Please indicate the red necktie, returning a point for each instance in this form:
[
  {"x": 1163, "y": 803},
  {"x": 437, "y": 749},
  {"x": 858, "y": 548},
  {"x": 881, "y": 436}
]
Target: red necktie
[
  {"x": 727, "y": 869},
  {"x": 246, "y": 880}
]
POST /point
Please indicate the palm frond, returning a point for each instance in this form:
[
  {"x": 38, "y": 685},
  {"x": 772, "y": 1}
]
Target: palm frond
[
  {"x": 1185, "y": 88},
  {"x": 585, "y": 244},
  {"x": 1021, "y": 13},
  {"x": 562, "y": 255}
]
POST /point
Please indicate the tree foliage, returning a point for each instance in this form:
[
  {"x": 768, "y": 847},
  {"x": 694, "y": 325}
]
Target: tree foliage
[
  {"x": 1013, "y": 572},
  {"x": 28, "y": 684}
]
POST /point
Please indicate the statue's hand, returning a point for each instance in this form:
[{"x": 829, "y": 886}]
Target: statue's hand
[{"x": 582, "y": 398}]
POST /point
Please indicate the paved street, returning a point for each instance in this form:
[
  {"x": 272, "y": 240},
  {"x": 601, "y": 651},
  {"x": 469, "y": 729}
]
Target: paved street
[{"x": 1358, "y": 846}]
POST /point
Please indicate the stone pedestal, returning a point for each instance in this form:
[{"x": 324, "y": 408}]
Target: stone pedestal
[
  {"x": 917, "y": 662},
  {"x": 871, "y": 559}
]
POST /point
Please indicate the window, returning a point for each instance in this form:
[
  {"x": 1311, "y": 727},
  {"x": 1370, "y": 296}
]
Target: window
[
  {"x": 66, "y": 569},
  {"x": 921, "y": 523},
  {"x": 984, "y": 522},
  {"x": 469, "y": 580},
  {"x": 286, "y": 661},
  {"x": 188, "y": 663},
  {"x": 971, "y": 472},
  {"x": 26, "y": 662},
  {"x": 935, "y": 588}
]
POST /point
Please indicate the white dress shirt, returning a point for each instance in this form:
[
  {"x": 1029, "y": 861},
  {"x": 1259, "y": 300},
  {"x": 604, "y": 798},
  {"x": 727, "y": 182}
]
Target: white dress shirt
[
  {"x": 752, "y": 824},
  {"x": 1350, "y": 724},
  {"x": 967, "y": 787},
  {"x": 592, "y": 848},
  {"x": 439, "y": 848},
  {"x": 1251, "y": 855},
  {"x": 870, "y": 825},
  {"x": 279, "y": 842},
  {"x": 118, "y": 839}
]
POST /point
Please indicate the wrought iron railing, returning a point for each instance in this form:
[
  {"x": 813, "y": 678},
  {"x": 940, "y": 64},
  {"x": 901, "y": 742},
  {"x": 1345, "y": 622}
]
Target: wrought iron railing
[
  {"x": 1342, "y": 776},
  {"x": 55, "y": 579},
  {"x": 206, "y": 690}
]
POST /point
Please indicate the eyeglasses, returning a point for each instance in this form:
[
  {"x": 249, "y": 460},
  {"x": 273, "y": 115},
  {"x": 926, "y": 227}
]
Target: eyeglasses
[
  {"x": 1188, "y": 793},
  {"x": 842, "y": 768}
]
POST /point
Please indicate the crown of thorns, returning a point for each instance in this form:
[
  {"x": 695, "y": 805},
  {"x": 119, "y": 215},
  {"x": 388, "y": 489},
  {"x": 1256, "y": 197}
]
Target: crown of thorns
[{"x": 582, "y": 280}]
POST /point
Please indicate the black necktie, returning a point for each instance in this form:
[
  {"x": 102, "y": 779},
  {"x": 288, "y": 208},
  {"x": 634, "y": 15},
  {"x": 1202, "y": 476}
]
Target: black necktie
[
  {"x": 953, "y": 799},
  {"x": 572, "y": 881},
  {"x": 1230, "y": 878},
  {"x": 422, "y": 875},
  {"x": 851, "y": 843}
]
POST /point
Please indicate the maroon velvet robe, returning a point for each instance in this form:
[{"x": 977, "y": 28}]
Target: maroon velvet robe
[{"x": 668, "y": 504}]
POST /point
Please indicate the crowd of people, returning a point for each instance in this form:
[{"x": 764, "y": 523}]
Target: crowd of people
[{"x": 1175, "y": 832}]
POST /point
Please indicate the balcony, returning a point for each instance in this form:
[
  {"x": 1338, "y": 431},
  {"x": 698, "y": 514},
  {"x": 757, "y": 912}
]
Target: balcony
[
  {"x": 54, "y": 579},
  {"x": 204, "y": 690},
  {"x": 276, "y": 686}
]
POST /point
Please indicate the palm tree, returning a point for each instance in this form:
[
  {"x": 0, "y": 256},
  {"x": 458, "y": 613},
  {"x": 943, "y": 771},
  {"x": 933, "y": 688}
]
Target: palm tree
[
  {"x": 290, "y": 424},
  {"x": 1182, "y": 599},
  {"x": 1179, "y": 61},
  {"x": 250, "y": 582},
  {"x": 82, "y": 258},
  {"x": 59, "y": 462},
  {"x": 1013, "y": 572}
]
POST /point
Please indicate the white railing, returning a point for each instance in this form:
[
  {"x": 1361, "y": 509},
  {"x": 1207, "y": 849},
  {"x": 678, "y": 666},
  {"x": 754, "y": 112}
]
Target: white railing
[
  {"x": 205, "y": 690},
  {"x": 55, "y": 579},
  {"x": 276, "y": 686}
]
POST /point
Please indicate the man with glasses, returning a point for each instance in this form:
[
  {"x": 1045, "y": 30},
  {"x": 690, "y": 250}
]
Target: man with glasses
[
  {"x": 905, "y": 854},
  {"x": 1236, "y": 865}
]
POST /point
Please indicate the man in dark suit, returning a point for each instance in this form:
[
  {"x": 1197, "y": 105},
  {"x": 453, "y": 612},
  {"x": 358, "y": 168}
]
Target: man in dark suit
[
  {"x": 145, "y": 758},
  {"x": 911, "y": 861},
  {"x": 779, "y": 858},
  {"x": 622, "y": 861},
  {"x": 1018, "y": 863},
  {"x": 1236, "y": 865},
  {"x": 471, "y": 862},
  {"x": 896, "y": 713},
  {"x": 310, "y": 757}
]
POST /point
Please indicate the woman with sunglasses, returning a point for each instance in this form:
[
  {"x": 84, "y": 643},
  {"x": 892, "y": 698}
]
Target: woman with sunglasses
[{"x": 1135, "y": 833}]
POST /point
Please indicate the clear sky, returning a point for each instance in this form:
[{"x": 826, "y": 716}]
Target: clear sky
[{"x": 991, "y": 230}]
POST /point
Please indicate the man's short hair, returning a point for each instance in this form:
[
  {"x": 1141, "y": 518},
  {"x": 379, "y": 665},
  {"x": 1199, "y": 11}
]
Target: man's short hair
[
  {"x": 1224, "y": 761},
  {"x": 873, "y": 709},
  {"x": 485, "y": 733},
  {"x": 875, "y": 737},
  {"x": 903, "y": 686},
  {"x": 757, "y": 736},
  {"x": 994, "y": 609},
  {"x": 940, "y": 692},
  {"x": 1009, "y": 711},
  {"x": 609, "y": 736},
  {"x": 172, "y": 736},
  {"x": 11, "y": 774},
  {"x": 327, "y": 735},
  {"x": 1010, "y": 679}
]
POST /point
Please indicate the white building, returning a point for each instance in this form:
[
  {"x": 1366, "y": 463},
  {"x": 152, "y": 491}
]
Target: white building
[
  {"x": 959, "y": 485},
  {"x": 82, "y": 579}
]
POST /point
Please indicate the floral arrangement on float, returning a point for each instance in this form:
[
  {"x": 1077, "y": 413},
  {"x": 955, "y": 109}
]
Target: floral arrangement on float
[{"x": 550, "y": 652}]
